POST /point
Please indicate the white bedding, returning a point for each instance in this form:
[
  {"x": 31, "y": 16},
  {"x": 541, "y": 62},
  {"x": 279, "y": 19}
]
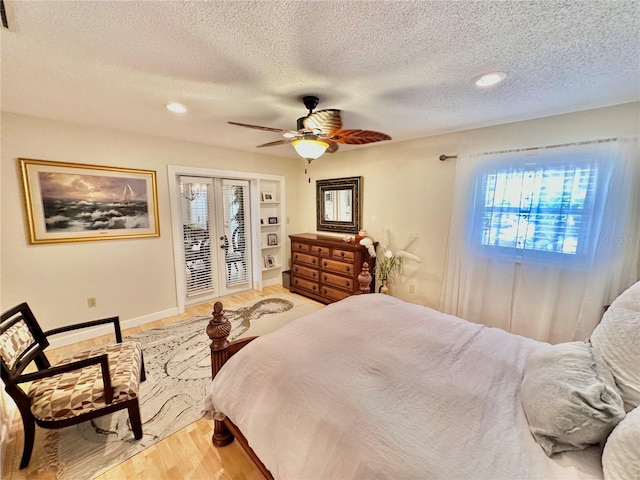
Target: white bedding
[{"x": 375, "y": 388}]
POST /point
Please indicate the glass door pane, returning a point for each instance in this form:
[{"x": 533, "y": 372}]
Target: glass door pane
[
  {"x": 196, "y": 200},
  {"x": 234, "y": 225}
]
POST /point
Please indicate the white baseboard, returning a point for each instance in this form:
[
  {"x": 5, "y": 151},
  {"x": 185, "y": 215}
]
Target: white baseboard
[
  {"x": 68, "y": 338},
  {"x": 272, "y": 281}
]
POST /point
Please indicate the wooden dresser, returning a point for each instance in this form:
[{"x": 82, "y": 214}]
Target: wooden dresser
[{"x": 326, "y": 268}]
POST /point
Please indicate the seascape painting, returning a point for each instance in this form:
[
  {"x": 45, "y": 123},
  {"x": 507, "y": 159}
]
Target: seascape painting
[
  {"x": 75, "y": 203},
  {"x": 68, "y": 202}
]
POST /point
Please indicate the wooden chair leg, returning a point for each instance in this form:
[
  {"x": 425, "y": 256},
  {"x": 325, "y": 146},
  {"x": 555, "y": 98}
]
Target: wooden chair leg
[
  {"x": 134, "y": 418},
  {"x": 143, "y": 373},
  {"x": 29, "y": 436}
]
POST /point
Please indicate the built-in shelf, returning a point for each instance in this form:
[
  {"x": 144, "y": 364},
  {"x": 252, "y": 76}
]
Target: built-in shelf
[{"x": 271, "y": 206}]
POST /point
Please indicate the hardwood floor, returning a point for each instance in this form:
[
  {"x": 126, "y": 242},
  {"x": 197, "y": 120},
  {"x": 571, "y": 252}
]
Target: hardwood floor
[{"x": 187, "y": 454}]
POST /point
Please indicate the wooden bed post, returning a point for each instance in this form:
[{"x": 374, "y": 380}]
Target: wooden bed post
[
  {"x": 218, "y": 330},
  {"x": 364, "y": 279}
]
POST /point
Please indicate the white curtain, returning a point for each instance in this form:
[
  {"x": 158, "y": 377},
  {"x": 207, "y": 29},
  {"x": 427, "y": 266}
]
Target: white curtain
[{"x": 545, "y": 300}]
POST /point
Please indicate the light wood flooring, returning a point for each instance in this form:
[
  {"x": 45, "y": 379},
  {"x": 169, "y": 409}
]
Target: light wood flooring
[{"x": 187, "y": 454}]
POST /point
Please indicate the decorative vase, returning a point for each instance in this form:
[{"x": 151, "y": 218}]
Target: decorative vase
[{"x": 384, "y": 288}]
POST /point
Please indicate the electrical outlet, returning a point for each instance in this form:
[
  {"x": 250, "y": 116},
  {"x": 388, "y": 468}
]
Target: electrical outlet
[
  {"x": 412, "y": 288},
  {"x": 91, "y": 302}
]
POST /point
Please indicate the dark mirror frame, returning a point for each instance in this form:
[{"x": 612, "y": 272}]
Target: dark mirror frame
[{"x": 349, "y": 183}]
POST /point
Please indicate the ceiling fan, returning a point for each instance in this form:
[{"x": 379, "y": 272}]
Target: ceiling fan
[{"x": 319, "y": 132}]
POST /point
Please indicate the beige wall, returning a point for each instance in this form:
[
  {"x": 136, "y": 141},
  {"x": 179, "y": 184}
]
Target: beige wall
[
  {"x": 133, "y": 278},
  {"x": 406, "y": 189},
  {"x": 409, "y": 190}
]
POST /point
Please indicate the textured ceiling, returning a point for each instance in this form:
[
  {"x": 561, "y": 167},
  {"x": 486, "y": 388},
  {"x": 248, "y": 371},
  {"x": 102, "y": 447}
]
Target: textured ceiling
[{"x": 404, "y": 68}]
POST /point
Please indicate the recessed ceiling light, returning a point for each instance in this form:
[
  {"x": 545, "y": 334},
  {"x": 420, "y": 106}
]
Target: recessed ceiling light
[
  {"x": 176, "y": 107},
  {"x": 491, "y": 78}
]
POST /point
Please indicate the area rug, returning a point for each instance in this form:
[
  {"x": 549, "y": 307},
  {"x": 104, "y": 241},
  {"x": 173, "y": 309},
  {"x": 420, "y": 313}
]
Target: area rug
[{"x": 178, "y": 366}]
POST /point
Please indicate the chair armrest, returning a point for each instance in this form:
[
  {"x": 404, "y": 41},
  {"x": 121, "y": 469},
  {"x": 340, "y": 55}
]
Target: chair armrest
[
  {"x": 77, "y": 326},
  {"x": 102, "y": 360}
]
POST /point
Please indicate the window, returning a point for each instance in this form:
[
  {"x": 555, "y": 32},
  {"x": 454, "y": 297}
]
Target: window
[{"x": 546, "y": 210}]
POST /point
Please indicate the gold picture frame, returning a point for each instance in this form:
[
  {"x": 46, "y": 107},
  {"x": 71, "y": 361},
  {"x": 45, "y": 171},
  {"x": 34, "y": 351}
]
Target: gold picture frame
[{"x": 75, "y": 202}]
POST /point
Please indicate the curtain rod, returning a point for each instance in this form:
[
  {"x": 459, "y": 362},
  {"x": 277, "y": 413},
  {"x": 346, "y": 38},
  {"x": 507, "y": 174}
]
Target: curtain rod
[{"x": 447, "y": 157}]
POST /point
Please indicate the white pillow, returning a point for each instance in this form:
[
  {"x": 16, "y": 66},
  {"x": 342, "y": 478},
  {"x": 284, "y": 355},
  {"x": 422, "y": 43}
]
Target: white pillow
[
  {"x": 569, "y": 397},
  {"x": 621, "y": 455},
  {"x": 617, "y": 340}
]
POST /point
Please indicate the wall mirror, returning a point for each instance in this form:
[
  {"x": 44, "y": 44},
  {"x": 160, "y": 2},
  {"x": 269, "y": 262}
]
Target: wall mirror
[{"x": 339, "y": 204}]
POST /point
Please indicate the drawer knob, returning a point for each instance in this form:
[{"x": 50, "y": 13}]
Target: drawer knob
[
  {"x": 313, "y": 274},
  {"x": 348, "y": 269},
  {"x": 319, "y": 249},
  {"x": 313, "y": 288},
  {"x": 325, "y": 278},
  {"x": 324, "y": 264},
  {"x": 347, "y": 284},
  {"x": 342, "y": 254}
]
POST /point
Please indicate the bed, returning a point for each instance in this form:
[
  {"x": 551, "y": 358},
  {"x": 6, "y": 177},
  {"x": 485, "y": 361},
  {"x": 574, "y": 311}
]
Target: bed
[{"x": 372, "y": 387}]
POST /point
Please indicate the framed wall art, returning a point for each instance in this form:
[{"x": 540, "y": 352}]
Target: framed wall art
[{"x": 74, "y": 202}]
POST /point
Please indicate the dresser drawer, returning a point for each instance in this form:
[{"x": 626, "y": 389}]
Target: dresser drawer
[
  {"x": 338, "y": 267},
  {"x": 334, "y": 294},
  {"x": 337, "y": 281},
  {"x": 304, "y": 258},
  {"x": 299, "y": 247},
  {"x": 300, "y": 282},
  {"x": 318, "y": 250},
  {"x": 305, "y": 272},
  {"x": 343, "y": 255}
]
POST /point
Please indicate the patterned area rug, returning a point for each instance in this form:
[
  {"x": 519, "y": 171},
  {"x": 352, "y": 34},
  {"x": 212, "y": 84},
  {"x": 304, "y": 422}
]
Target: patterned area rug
[{"x": 177, "y": 361}]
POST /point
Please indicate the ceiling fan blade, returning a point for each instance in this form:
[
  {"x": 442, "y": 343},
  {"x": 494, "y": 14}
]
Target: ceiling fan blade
[
  {"x": 358, "y": 137},
  {"x": 277, "y": 142},
  {"x": 327, "y": 121},
  {"x": 257, "y": 127},
  {"x": 333, "y": 146}
]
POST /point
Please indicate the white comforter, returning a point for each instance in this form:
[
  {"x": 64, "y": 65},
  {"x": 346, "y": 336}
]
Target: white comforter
[{"x": 376, "y": 388}]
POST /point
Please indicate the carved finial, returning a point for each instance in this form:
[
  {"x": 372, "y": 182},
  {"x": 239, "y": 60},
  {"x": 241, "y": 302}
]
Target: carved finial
[
  {"x": 364, "y": 279},
  {"x": 218, "y": 328},
  {"x": 218, "y": 312}
]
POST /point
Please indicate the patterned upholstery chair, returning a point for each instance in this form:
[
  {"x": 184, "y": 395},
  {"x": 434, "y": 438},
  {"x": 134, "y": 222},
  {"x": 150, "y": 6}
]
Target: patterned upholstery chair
[{"x": 87, "y": 385}]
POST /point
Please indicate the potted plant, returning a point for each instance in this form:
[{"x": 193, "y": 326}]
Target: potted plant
[{"x": 387, "y": 267}]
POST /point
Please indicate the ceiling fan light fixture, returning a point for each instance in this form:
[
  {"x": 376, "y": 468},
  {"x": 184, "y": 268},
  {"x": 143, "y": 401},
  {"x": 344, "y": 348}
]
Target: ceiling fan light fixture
[
  {"x": 489, "y": 79},
  {"x": 310, "y": 149}
]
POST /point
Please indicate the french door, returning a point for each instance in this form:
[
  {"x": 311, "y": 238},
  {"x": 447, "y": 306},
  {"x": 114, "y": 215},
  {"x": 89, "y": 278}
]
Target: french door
[{"x": 216, "y": 237}]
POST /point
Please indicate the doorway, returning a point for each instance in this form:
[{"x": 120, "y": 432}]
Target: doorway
[{"x": 216, "y": 237}]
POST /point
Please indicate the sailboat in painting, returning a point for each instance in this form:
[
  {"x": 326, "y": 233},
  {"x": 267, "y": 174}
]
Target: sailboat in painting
[{"x": 128, "y": 194}]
